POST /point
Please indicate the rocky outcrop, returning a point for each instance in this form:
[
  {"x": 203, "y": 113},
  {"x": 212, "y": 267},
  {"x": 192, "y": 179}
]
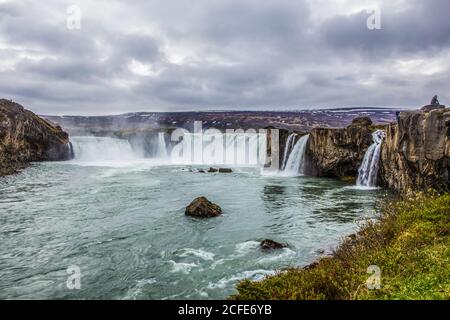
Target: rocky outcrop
[
  {"x": 220, "y": 170},
  {"x": 416, "y": 152},
  {"x": 25, "y": 137},
  {"x": 203, "y": 208},
  {"x": 268, "y": 244},
  {"x": 338, "y": 152}
]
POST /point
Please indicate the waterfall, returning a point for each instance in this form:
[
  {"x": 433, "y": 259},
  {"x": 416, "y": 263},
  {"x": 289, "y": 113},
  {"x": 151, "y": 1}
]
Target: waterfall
[
  {"x": 367, "y": 175},
  {"x": 233, "y": 149},
  {"x": 94, "y": 149},
  {"x": 289, "y": 145},
  {"x": 295, "y": 164},
  {"x": 162, "y": 148}
]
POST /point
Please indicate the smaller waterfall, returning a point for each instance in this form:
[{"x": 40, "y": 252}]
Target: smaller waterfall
[
  {"x": 367, "y": 176},
  {"x": 161, "y": 152},
  {"x": 289, "y": 145},
  {"x": 295, "y": 164}
]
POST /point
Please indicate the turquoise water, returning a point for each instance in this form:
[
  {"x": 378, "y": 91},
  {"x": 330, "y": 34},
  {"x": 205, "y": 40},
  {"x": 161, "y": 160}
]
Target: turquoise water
[{"x": 123, "y": 224}]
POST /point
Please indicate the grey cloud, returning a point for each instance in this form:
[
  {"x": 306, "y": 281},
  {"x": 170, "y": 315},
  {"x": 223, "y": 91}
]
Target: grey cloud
[{"x": 234, "y": 54}]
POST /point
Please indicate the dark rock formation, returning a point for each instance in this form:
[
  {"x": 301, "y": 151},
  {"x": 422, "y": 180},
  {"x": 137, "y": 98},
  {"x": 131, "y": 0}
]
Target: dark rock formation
[
  {"x": 25, "y": 137},
  {"x": 203, "y": 208},
  {"x": 416, "y": 152},
  {"x": 220, "y": 170},
  {"x": 339, "y": 152},
  {"x": 268, "y": 244}
]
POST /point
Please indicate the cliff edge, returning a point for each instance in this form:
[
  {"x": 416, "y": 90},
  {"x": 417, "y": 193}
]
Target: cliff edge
[
  {"x": 25, "y": 137},
  {"x": 416, "y": 152},
  {"x": 338, "y": 152}
]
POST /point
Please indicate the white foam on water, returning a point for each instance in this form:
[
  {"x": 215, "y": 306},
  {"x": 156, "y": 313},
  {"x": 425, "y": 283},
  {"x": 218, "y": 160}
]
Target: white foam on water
[
  {"x": 246, "y": 247},
  {"x": 284, "y": 254},
  {"x": 254, "y": 275},
  {"x": 202, "y": 254},
  {"x": 182, "y": 267},
  {"x": 137, "y": 290}
]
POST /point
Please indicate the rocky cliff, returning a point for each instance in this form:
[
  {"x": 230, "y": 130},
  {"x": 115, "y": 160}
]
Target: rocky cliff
[
  {"x": 416, "y": 151},
  {"x": 25, "y": 137},
  {"x": 338, "y": 152}
]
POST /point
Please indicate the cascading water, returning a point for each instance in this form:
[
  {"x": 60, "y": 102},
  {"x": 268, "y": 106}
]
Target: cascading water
[
  {"x": 162, "y": 148},
  {"x": 94, "y": 149},
  {"x": 235, "y": 149},
  {"x": 368, "y": 171},
  {"x": 288, "y": 147},
  {"x": 296, "y": 162}
]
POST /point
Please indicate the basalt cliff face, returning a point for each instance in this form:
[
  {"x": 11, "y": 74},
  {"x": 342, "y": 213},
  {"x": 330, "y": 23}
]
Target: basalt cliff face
[
  {"x": 338, "y": 152},
  {"x": 25, "y": 137},
  {"x": 416, "y": 151}
]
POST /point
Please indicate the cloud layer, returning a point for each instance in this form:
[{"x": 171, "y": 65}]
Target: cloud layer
[{"x": 222, "y": 54}]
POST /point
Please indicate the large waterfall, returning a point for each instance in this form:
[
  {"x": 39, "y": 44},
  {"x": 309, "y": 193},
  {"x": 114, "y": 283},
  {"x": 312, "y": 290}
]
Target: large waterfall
[
  {"x": 232, "y": 149},
  {"x": 296, "y": 162},
  {"x": 235, "y": 149},
  {"x": 368, "y": 171},
  {"x": 94, "y": 149}
]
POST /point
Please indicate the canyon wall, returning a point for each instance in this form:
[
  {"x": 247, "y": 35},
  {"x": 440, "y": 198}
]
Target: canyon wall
[
  {"x": 25, "y": 137},
  {"x": 338, "y": 152},
  {"x": 416, "y": 151},
  {"x": 415, "y": 154}
]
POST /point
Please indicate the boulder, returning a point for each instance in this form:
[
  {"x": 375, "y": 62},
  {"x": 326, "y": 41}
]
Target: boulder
[
  {"x": 268, "y": 244},
  {"x": 203, "y": 208}
]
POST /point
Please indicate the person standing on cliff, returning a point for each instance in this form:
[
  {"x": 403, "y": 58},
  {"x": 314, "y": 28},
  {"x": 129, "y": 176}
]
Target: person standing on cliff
[{"x": 435, "y": 101}]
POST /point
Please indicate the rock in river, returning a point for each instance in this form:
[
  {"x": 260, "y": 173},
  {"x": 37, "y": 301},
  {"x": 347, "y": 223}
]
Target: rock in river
[
  {"x": 203, "y": 208},
  {"x": 268, "y": 244}
]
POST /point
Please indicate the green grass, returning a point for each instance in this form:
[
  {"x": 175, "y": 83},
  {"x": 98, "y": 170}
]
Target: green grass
[{"x": 410, "y": 244}]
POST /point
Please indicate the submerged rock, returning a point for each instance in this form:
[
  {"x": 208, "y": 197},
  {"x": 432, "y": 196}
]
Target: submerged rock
[
  {"x": 268, "y": 244},
  {"x": 25, "y": 137},
  {"x": 203, "y": 208}
]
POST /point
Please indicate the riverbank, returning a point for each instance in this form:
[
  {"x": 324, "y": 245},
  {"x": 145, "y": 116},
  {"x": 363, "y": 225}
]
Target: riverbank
[{"x": 410, "y": 244}]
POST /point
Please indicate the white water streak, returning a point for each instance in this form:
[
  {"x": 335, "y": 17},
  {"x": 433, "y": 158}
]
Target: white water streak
[{"x": 368, "y": 171}]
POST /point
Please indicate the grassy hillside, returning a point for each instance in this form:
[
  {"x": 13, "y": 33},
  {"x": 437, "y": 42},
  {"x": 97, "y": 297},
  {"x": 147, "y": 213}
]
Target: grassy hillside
[{"x": 410, "y": 244}]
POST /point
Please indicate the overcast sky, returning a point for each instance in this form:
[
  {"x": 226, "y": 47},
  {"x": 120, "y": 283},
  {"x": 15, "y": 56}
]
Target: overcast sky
[{"x": 165, "y": 55}]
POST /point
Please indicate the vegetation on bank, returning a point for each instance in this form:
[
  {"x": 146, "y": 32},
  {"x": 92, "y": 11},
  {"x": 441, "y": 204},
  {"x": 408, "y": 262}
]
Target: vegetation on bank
[{"x": 410, "y": 243}]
